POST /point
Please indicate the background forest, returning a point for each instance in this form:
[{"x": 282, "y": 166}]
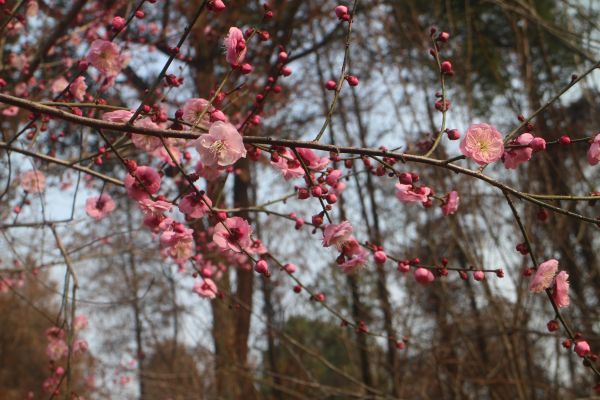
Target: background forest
[{"x": 149, "y": 336}]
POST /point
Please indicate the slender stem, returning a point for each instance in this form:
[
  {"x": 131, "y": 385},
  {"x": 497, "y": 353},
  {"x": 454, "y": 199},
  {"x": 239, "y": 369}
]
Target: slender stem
[
  {"x": 64, "y": 163},
  {"x": 559, "y": 316},
  {"x": 440, "y": 134},
  {"x": 342, "y": 76},
  {"x": 161, "y": 75},
  {"x": 551, "y": 101}
]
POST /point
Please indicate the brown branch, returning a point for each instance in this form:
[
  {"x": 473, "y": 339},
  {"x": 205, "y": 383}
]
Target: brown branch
[
  {"x": 64, "y": 163},
  {"x": 166, "y": 133}
]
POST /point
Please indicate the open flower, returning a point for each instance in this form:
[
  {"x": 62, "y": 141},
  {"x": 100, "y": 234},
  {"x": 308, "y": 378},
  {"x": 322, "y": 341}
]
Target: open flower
[
  {"x": 356, "y": 261},
  {"x": 78, "y": 88},
  {"x": 221, "y": 146},
  {"x": 56, "y": 349},
  {"x": 312, "y": 161},
  {"x": 235, "y": 46},
  {"x": 33, "y": 181},
  {"x": 333, "y": 177},
  {"x": 99, "y": 207},
  {"x": 59, "y": 85},
  {"x": 593, "y": 154},
  {"x": 10, "y": 111},
  {"x": 258, "y": 247},
  {"x": 450, "y": 204},
  {"x": 206, "y": 289},
  {"x": 518, "y": 155},
  {"x": 145, "y": 183},
  {"x": 561, "y": 289},
  {"x": 120, "y": 116},
  {"x": 154, "y": 208},
  {"x": 544, "y": 276},
  {"x": 337, "y": 234},
  {"x": 179, "y": 243},
  {"x": 482, "y": 143},
  {"x": 195, "y": 206},
  {"x": 410, "y": 193},
  {"x": 289, "y": 166},
  {"x": 194, "y": 108},
  {"x": 145, "y": 142},
  {"x": 104, "y": 56},
  {"x": 233, "y": 234}
]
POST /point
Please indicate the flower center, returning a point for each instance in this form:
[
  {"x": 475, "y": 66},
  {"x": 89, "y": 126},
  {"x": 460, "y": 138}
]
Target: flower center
[
  {"x": 235, "y": 235},
  {"x": 484, "y": 146},
  {"x": 217, "y": 147}
]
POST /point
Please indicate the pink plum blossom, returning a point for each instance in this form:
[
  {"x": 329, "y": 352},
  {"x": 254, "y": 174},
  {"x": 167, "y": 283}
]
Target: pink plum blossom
[
  {"x": 290, "y": 268},
  {"x": 451, "y": 202},
  {"x": 145, "y": 182},
  {"x": 33, "y": 181},
  {"x": 518, "y": 155},
  {"x": 59, "y": 85},
  {"x": 312, "y": 161},
  {"x": 337, "y": 234},
  {"x": 257, "y": 247},
  {"x": 179, "y": 243},
  {"x": 341, "y": 11},
  {"x": 216, "y": 5},
  {"x": 288, "y": 165},
  {"x": 482, "y": 143},
  {"x": 210, "y": 173},
  {"x": 206, "y": 289},
  {"x": 56, "y": 349},
  {"x": 10, "y": 111},
  {"x": 80, "y": 323},
  {"x": 560, "y": 293},
  {"x": 593, "y": 154},
  {"x": 158, "y": 223},
  {"x": 154, "y": 208},
  {"x": 354, "y": 256},
  {"x": 582, "y": 348},
  {"x": 105, "y": 57},
  {"x": 78, "y": 88},
  {"x": 424, "y": 276},
  {"x": 221, "y": 146},
  {"x": 357, "y": 260},
  {"x": 194, "y": 108},
  {"x": 233, "y": 234},
  {"x": 145, "y": 142},
  {"x": 410, "y": 193},
  {"x": 54, "y": 332},
  {"x": 479, "y": 275},
  {"x": 80, "y": 346},
  {"x": 544, "y": 276},
  {"x": 120, "y": 116},
  {"x": 50, "y": 383},
  {"x": 333, "y": 177},
  {"x": 195, "y": 206},
  {"x": 99, "y": 207},
  {"x": 235, "y": 47}
]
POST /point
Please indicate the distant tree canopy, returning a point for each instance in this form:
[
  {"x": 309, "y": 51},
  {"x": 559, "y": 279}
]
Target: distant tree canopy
[{"x": 299, "y": 199}]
